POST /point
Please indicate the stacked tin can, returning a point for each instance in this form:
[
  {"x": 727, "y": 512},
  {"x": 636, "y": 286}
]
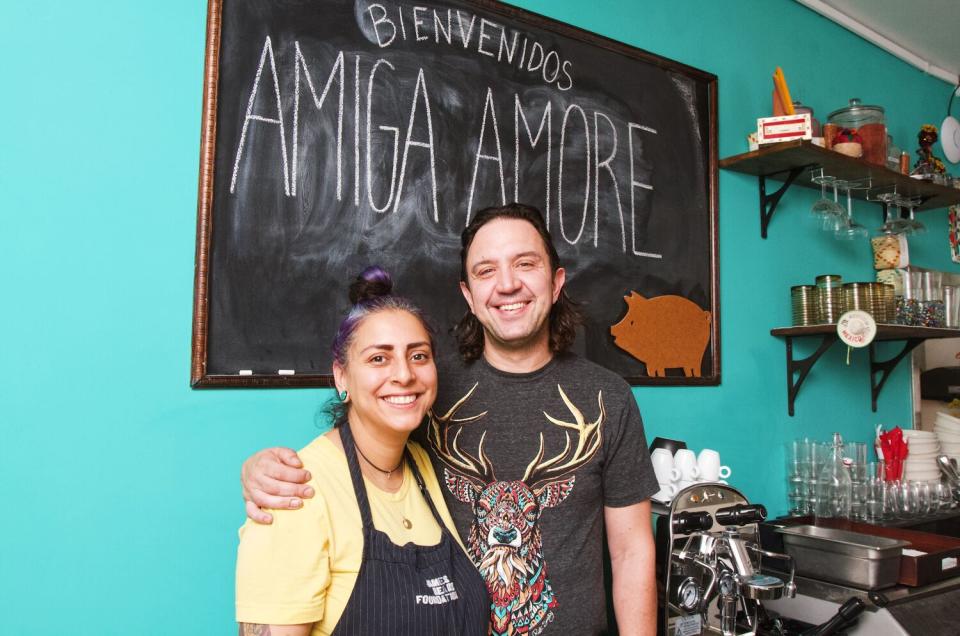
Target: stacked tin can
[
  {"x": 888, "y": 302},
  {"x": 804, "y": 301},
  {"x": 830, "y": 301},
  {"x": 876, "y": 299}
]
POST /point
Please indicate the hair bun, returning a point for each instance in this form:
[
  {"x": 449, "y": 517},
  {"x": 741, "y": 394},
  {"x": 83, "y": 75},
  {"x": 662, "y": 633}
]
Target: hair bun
[{"x": 373, "y": 282}]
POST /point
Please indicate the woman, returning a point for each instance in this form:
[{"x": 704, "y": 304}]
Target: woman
[{"x": 374, "y": 551}]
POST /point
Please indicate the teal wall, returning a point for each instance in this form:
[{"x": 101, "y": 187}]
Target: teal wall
[{"x": 119, "y": 484}]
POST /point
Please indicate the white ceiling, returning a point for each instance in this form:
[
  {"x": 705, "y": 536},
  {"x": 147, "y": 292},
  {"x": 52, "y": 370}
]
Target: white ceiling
[{"x": 925, "y": 33}]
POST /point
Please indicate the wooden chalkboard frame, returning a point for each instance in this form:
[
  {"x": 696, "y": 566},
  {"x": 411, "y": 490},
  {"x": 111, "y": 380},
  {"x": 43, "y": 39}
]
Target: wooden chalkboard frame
[{"x": 200, "y": 378}]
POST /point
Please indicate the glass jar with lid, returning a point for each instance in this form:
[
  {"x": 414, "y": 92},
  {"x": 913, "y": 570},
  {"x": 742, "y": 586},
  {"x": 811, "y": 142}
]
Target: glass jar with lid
[{"x": 870, "y": 123}]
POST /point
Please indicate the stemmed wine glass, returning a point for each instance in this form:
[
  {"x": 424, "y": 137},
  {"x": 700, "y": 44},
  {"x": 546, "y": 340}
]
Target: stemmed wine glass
[
  {"x": 916, "y": 226},
  {"x": 836, "y": 217},
  {"x": 824, "y": 209},
  {"x": 892, "y": 223},
  {"x": 848, "y": 228}
]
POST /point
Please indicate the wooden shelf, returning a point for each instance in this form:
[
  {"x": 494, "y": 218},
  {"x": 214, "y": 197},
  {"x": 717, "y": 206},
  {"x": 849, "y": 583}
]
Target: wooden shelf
[
  {"x": 781, "y": 158},
  {"x": 792, "y": 161},
  {"x": 884, "y": 332},
  {"x": 880, "y": 370}
]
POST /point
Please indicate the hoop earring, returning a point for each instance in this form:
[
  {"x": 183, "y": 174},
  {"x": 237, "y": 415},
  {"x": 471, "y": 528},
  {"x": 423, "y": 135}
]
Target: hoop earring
[{"x": 343, "y": 395}]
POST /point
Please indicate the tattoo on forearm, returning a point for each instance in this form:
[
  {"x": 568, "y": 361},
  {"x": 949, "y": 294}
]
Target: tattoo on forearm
[{"x": 251, "y": 629}]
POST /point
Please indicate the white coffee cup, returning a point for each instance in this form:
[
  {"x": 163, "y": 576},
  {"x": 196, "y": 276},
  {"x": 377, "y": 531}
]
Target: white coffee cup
[
  {"x": 686, "y": 483},
  {"x": 663, "y": 466},
  {"x": 686, "y": 462},
  {"x": 667, "y": 492},
  {"x": 709, "y": 464}
]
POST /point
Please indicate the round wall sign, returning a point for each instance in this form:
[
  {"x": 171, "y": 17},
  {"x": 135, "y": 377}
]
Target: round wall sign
[
  {"x": 856, "y": 328},
  {"x": 950, "y": 139}
]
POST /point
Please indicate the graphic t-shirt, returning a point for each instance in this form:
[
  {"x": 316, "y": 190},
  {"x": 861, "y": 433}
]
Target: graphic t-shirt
[{"x": 527, "y": 462}]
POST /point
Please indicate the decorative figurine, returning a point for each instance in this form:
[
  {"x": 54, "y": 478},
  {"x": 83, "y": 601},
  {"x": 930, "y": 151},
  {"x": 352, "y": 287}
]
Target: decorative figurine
[
  {"x": 927, "y": 163},
  {"x": 848, "y": 142}
]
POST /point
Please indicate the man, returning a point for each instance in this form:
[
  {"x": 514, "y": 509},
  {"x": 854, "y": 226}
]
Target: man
[{"x": 540, "y": 450}]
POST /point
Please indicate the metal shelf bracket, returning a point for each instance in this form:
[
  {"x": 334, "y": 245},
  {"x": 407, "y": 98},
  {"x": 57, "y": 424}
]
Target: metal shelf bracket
[
  {"x": 797, "y": 370},
  {"x": 768, "y": 202},
  {"x": 886, "y": 367}
]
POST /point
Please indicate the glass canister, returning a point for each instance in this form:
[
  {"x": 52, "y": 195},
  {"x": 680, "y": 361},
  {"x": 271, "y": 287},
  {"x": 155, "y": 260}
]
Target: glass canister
[
  {"x": 950, "y": 306},
  {"x": 870, "y": 123},
  {"x": 908, "y": 306},
  {"x": 799, "y": 109},
  {"x": 932, "y": 312}
]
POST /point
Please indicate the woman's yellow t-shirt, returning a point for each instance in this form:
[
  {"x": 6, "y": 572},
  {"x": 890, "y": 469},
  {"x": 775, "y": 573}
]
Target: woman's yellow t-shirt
[{"x": 302, "y": 567}]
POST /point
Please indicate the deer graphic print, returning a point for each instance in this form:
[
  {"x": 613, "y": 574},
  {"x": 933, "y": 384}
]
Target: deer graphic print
[{"x": 504, "y": 539}]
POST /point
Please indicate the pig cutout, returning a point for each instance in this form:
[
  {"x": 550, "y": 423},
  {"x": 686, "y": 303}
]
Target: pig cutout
[{"x": 665, "y": 332}]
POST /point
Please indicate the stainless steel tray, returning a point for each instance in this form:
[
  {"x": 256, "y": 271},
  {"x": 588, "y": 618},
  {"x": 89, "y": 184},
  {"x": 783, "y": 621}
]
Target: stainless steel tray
[{"x": 849, "y": 558}]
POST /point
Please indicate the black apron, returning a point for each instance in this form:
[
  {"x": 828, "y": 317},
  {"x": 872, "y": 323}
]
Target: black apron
[{"x": 410, "y": 590}]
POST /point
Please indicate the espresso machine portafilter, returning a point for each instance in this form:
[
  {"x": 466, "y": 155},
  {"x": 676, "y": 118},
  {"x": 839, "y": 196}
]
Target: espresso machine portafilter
[{"x": 709, "y": 559}]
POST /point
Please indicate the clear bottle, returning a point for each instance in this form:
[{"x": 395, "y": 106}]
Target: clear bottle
[{"x": 834, "y": 485}]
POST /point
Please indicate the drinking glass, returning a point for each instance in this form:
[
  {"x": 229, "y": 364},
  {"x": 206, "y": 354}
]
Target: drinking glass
[
  {"x": 916, "y": 226},
  {"x": 875, "y": 496},
  {"x": 920, "y": 490},
  {"x": 836, "y": 217},
  {"x": 848, "y": 229},
  {"x": 798, "y": 469},
  {"x": 892, "y": 507},
  {"x": 944, "y": 496},
  {"x": 820, "y": 454},
  {"x": 857, "y": 453},
  {"x": 823, "y": 208},
  {"x": 892, "y": 223},
  {"x": 908, "y": 500}
]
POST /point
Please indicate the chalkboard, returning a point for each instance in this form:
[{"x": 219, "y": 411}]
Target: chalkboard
[{"x": 339, "y": 134}]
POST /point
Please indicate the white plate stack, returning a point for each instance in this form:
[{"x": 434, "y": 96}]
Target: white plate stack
[
  {"x": 947, "y": 428},
  {"x": 921, "y": 462}
]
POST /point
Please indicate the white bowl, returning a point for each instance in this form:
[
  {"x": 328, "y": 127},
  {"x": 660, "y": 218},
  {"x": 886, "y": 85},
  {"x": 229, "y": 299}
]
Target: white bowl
[
  {"x": 923, "y": 468},
  {"x": 911, "y": 434},
  {"x": 949, "y": 425},
  {"x": 920, "y": 475},
  {"x": 946, "y": 416}
]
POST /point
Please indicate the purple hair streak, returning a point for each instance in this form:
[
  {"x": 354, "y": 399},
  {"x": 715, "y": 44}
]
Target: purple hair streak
[{"x": 371, "y": 293}]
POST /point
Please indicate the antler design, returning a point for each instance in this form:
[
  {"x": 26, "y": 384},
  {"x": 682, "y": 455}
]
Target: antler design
[
  {"x": 478, "y": 468},
  {"x": 589, "y": 439}
]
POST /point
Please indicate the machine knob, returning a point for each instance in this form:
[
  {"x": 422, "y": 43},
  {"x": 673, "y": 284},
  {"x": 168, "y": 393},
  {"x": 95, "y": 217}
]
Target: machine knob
[
  {"x": 688, "y": 522},
  {"x": 741, "y": 514}
]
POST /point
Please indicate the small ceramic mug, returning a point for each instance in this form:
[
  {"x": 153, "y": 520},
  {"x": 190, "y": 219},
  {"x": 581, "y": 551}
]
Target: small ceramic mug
[
  {"x": 666, "y": 493},
  {"x": 686, "y": 483},
  {"x": 686, "y": 462},
  {"x": 663, "y": 466},
  {"x": 709, "y": 464}
]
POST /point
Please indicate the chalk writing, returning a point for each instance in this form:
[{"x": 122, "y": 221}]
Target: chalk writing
[
  {"x": 389, "y": 28},
  {"x": 278, "y": 120},
  {"x": 383, "y": 150}
]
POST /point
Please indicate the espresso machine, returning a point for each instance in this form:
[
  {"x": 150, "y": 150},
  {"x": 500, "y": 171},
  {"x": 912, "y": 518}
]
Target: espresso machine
[{"x": 709, "y": 563}]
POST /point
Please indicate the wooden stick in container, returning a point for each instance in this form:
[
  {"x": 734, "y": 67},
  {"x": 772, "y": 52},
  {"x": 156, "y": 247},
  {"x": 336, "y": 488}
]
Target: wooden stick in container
[{"x": 784, "y": 91}]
